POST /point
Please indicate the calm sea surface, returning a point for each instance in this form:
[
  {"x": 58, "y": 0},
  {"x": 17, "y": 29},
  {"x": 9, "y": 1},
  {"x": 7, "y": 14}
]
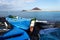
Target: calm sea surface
[{"x": 49, "y": 16}]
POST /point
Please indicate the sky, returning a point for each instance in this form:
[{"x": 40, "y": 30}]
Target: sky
[{"x": 15, "y": 5}]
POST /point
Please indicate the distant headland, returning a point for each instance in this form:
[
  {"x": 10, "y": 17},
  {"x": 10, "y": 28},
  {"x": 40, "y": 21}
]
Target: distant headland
[
  {"x": 33, "y": 9},
  {"x": 36, "y": 8},
  {"x": 24, "y": 10}
]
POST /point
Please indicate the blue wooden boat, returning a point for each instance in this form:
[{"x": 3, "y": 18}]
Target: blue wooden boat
[{"x": 20, "y": 25}]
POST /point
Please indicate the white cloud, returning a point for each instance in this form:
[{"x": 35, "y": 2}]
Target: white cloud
[
  {"x": 15, "y": 4},
  {"x": 5, "y": 5},
  {"x": 21, "y": 4},
  {"x": 29, "y": 1}
]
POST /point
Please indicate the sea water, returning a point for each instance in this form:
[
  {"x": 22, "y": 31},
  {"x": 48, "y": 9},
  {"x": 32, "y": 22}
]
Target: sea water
[{"x": 42, "y": 15}]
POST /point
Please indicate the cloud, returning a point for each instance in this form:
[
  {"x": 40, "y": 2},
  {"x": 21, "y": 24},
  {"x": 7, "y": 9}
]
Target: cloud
[
  {"x": 26, "y": 4},
  {"x": 29, "y": 1},
  {"x": 5, "y": 5},
  {"x": 14, "y": 4}
]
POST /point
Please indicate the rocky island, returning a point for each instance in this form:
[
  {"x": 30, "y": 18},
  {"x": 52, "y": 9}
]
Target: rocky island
[{"x": 35, "y": 9}]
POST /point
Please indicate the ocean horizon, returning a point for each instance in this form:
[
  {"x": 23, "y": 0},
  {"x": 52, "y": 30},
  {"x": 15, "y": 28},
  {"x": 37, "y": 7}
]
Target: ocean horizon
[{"x": 42, "y": 15}]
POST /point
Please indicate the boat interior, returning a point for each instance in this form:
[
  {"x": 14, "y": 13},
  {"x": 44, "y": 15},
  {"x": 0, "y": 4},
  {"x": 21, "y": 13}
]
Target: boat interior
[{"x": 5, "y": 27}]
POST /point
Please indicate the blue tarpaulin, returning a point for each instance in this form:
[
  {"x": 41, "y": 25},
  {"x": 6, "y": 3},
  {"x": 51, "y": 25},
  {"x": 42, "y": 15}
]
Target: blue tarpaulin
[
  {"x": 15, "y": 34},
  {"x": 22, "y": 23},
  {"x": 45, "y": 34},
  {"x": 50, "y": 34}
]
